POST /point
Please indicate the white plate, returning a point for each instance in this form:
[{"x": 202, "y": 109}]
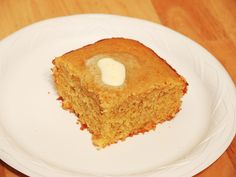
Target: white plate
[{"x": 39, "y": 138}]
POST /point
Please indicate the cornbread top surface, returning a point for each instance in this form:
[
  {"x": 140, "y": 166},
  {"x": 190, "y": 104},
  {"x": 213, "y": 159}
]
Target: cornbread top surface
[{"x": 145, "y": 70}]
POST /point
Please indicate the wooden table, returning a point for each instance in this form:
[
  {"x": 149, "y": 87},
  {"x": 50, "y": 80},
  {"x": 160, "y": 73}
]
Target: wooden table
[{"x": 212, "y": 23}]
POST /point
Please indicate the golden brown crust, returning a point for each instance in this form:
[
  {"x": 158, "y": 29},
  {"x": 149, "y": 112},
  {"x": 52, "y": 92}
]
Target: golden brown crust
[{"x": 144, "y": 67}]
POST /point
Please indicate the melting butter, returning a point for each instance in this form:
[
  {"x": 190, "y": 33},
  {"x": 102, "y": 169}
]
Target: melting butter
[{"x": 112, "y": 71}]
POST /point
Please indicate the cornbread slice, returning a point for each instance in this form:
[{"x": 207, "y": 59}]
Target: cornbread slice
[{"x": 150, "y": 94}]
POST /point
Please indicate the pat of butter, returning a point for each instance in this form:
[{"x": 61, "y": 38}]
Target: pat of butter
[{"x": 112, "y": 71}]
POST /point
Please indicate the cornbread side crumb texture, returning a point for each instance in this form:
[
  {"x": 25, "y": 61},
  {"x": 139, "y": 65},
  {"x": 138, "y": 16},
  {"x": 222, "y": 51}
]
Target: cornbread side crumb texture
[{"x": 151, "y": 92}]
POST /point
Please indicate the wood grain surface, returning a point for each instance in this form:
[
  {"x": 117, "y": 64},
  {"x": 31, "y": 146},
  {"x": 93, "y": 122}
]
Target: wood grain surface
[{"x": 212, "y": 23}]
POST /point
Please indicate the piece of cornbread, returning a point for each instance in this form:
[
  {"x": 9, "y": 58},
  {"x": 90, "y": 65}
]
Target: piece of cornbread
[{"x": 150, "y": 93}]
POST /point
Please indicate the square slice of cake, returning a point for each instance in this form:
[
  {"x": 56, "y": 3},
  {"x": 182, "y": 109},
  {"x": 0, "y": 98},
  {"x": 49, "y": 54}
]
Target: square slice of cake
[{"x": 118, "y": 87}]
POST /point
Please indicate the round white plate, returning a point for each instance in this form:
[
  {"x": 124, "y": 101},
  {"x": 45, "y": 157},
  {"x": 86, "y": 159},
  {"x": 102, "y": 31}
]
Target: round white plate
[{"x": 41, "y": 139}]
